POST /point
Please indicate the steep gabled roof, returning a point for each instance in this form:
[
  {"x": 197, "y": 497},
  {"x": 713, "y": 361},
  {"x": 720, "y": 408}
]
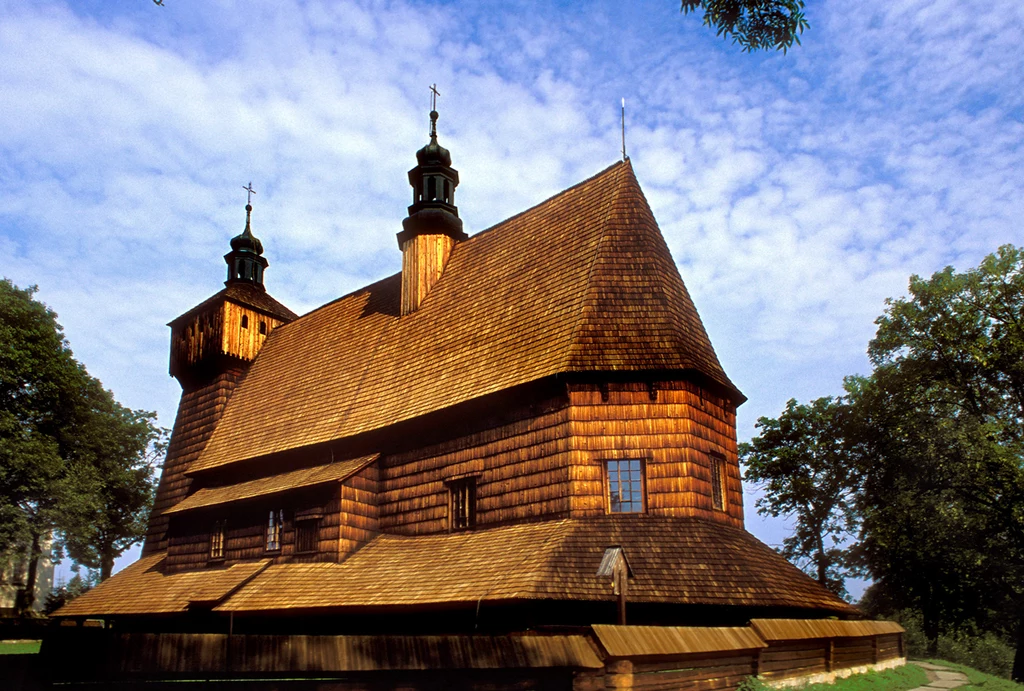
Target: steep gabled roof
[{"x": 582, "y": 282}]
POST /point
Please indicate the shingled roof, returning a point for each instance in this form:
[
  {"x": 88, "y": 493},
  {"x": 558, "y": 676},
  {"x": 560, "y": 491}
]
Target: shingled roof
[
  {"x": 582, "y": 282},
  {"x": 674, "y": 560}
]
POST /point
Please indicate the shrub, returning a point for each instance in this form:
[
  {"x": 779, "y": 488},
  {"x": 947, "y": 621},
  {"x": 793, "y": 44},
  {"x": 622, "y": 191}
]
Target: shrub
[{"x": 986, "y": 652}]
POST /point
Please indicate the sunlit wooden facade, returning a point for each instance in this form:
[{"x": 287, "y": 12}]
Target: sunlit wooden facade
[{"x": 451, "y": 452}]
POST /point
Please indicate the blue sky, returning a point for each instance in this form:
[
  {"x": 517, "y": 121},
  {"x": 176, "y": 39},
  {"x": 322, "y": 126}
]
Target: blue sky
[{"x": 796, "y": 191}]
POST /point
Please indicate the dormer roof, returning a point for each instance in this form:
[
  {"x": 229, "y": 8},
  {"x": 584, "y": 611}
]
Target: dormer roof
[{"x": 582, "y": 282}]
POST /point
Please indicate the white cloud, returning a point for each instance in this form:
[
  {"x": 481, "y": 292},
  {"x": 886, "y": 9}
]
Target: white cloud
[{"x": 796, "y": 192}]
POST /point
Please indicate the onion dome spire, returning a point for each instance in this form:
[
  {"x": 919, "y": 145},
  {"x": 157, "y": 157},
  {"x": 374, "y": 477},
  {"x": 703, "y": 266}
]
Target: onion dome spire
[
  {"x": 433, "y": 183},
  {"x": 245, "y": 260}
]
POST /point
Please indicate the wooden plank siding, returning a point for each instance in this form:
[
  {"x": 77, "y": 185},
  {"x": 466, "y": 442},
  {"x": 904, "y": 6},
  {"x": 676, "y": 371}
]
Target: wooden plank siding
[
  {"x": 217, "y": 331},
  {"x": 423, "y": 260},
  {"x": 245, "y": 343},
  {"x": 585, "y": 665},
  {"x": 706, "y": 672},
  {"x": 674, "y": 427},
  {"x": 794, "y": 658}
]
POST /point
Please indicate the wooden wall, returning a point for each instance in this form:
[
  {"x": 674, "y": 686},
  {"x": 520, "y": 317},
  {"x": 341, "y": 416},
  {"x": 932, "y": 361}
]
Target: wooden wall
[
  {"x": 217, "y": 331},
  {"x": 423, "y": 261},
  {"x": 707, "y": 672},
  {"x": 548, "y": 463},
  {"x": 346, "y": 514},
  {"x": 245, "y": 534},
  {"x": 789, "y": 659},
  {"x": 674, "y": 427},
  {"x": 786, "y": 659},
  {"x": 469, "y": 662},
  {"x": 245, "y": 343},
  {"x": 358, "y": 510},
  {"x": 198, "y": 413},
  {"x": 522, "y": 470}
]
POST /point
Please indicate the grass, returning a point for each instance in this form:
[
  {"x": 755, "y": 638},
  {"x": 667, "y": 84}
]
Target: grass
[
  {"x": 899, "y": 679},
  {"x": 18, "y": 647},
  {"x": 980, "y": 681}
]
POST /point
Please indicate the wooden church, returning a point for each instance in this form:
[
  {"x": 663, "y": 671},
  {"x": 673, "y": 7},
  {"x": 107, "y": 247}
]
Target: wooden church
[{"x": 510, "y": 466}]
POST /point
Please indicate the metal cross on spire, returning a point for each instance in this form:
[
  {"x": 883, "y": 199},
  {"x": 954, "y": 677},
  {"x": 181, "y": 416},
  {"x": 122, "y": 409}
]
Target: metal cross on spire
[
  {"x": 434, "y": 93},
  {"x": 250, "y": 191}
]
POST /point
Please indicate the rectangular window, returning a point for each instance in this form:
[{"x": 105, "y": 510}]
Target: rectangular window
[
  {"x": 462, "y": 503},
  {"x": 217, "y": 540},
  {"x": 625, "y": 486},
  {"x": 307, "y": 533},
  {"x": 274, "y": 524},
  {"x": 718, "y": 481}
]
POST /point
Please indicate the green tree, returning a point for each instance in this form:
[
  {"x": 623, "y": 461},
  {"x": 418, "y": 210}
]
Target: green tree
[
  {"x": 122, "y": 447},
  {"x": 944, "y": 499},
  {"x": 754, "y": 24},
  {"x": 809, "y": 470},
  {"x": 63, "y": 440},
  {"x": 61, "y": 595}
]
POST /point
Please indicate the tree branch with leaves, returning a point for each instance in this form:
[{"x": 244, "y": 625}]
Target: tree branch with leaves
[{"x": 754, "y": 24}]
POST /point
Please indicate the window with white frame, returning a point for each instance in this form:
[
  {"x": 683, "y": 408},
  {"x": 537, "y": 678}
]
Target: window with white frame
[{"x": 625, "y": 485}]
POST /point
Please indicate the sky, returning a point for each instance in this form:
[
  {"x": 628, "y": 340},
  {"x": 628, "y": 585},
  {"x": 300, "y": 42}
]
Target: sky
[{"x": 796, "y": 191}]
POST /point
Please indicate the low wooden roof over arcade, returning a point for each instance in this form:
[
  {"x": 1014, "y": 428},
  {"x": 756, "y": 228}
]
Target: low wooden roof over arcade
[
  {"x": 674, "y": 560},
  {"x": 583, "y": 282}
]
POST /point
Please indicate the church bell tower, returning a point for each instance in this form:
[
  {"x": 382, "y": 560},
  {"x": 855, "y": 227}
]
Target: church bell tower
[{"x": 212, "y": 346}]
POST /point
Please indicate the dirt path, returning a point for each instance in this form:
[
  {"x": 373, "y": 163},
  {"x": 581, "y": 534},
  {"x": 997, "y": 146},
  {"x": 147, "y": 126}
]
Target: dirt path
[{"x": 940, "y": 678}]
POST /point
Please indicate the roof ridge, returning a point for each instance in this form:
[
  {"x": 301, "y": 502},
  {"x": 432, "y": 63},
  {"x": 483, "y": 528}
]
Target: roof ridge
[
  {"x": 567, "y": 190},
  {"x": 351, "y": 293}
]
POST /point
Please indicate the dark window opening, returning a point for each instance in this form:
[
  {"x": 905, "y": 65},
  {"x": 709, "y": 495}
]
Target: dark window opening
[
  {"x": 274, "y": 524},
  {"x": 625, "y": 486},
  {"x": 718, "y": 481},
  {"x": 462, "y": 503},
  {"x": 263, "y": 328},
  {"x": 447, "y": 192},
  {"x": 245, "y": 322},
  {"x": 307, "y": 533},
  {"x": 217, "y": 540},
  {"x": 431, "y": 189}
]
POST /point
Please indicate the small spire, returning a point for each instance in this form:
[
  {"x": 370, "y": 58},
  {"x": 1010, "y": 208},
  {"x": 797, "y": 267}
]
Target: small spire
[
  {"x": 434, "y": 93},
  {"x": 248, "y": 220},
  {"x": 245, "y": 260}
]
